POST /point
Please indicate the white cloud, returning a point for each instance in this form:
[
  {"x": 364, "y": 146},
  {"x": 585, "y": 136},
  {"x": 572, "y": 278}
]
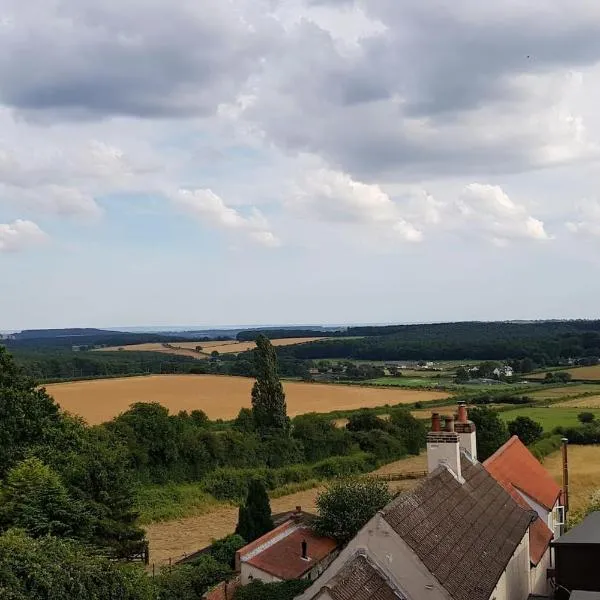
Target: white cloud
[
  {"x": 488, "y": 211},
  {"x": 587, "y": 218},
  {"x": 210, "y": 208},
  {"x": 20, "y": 235},
  {"x": 333, "y": 196}
]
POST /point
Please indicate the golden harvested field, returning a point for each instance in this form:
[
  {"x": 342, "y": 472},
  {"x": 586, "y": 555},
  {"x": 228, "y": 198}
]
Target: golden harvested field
[
  {"x": 583, "y": 373},
  {"x": 586, "y": 402},
  {"x": 584, "y": 473},
  {"x": 174, "y": 539},
  {"x": 220, "y": 397},
  {"x": 563, "y": 391},
  {"x": 188, "y": 348}
]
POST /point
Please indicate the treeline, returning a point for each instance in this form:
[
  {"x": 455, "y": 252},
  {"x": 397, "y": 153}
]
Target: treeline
[
  {"x": 55, "y": 364},
  {"x": 188, "y": 447},
  {"x": 545, "y": 343}
]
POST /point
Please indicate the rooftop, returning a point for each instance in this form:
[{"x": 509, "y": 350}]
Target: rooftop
[
  {"x": 465, "y": 534},
  {"x": 587, "y": 532},
  {"x": 279, "y": 552},
  {"x": 360, "y": 580},
  {"x": 519, "y": 472},
  {"x": 514, "y": 465}
]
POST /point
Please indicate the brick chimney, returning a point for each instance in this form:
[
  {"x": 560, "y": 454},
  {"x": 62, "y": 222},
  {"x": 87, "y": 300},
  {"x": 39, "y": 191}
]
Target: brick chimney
[
  {"x": 443, "y": 446},
  {"x": 466, "y": 432}
]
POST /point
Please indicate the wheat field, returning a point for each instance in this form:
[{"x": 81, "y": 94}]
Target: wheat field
[
  {"x": 220, "y": 397},
  {"x": 188, "y": 348}
]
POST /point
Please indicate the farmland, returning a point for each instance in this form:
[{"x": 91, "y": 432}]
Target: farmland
[
  {"x": 549, "y": 418},
  {"x": 219, "y": 397},
  {"x": 172, "y": 539},
  {"x": 591, "y": 373},
  {"x": 584, "y": 473},
  {"x": 554, "y": 393},
  {"x": 189, "y": 348}
]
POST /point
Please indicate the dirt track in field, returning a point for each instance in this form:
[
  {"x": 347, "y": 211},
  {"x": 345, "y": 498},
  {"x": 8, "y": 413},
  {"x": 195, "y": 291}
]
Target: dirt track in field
[
  {"x": 174, "y": 539},
  {"x": 220, "y": 397}
]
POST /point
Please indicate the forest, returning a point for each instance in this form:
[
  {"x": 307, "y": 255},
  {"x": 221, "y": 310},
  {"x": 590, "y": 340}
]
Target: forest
[{"x": 545, "y": 342}]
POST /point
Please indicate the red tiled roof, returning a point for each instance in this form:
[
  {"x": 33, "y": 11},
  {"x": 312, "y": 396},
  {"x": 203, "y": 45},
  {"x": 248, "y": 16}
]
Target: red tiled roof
[
  {"x": 283, "y": 558},
  {"x": 513, "y": 463},
  {"x": 517, "y": 470}
]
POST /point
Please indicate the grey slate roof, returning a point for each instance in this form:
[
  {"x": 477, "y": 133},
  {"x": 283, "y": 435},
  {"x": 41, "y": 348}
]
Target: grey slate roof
[
  {"x": 587, "y": 532},
  {"x": 464, "y": 534},
  {"x": 360, "y": 580}
]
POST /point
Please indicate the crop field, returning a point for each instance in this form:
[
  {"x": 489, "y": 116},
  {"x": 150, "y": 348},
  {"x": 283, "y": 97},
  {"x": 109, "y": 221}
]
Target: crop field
[
  {"x": 172, "y": 539},
  {"x": 585, "y": 402},
  {"x": 188, "y": 348},
  {"x": 574, "y": 389},
  {"x": 584, "y": 473},
  {"x": 220, "y": 397},
  {"x": 584, "y": 373},
  {"x": 549, "y": 417}
]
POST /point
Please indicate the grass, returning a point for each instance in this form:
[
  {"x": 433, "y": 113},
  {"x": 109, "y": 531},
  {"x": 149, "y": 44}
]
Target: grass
[
  {"x": 173, "y": 501},
  {"x": 548, "y": 417}
]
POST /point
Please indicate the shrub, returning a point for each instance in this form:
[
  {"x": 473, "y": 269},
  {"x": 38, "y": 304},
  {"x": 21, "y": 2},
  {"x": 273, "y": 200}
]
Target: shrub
[
  {"x": 346, "y": 505},
  {"x": 586, "y": 417},
  {"x": 526, "y": 429},
  {"x": 546, "y": 445}
]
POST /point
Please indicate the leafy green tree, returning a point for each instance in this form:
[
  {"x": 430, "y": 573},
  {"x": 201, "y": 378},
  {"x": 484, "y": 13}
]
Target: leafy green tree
[
  {"x": 410, "y": 430},
  {"x": 586, "y": 417},
  {"x": 491, "y": 431},
  {"x": 34, "y": 498},
  {"x": 223, "y": 550},
  {"x": 50, "y": 568},
  {"x": 462, "y": 375},
  {"x": 268, "y": 399},
  {"x": 321, "y": 438},
  {"x": 28, "y": 415},
  {"x": 526, "y": 429},
  {"x": 191, "y": 581},
  {"x": 255, "y": 515},
  {"x": 244, "y": 421},
  {"x": 346, "y": 505},
  {"x": 365, "y": 420}
]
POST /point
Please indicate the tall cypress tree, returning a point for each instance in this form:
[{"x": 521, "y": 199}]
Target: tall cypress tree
[
  {"x": 268, "y": 399},
  {"x": 255, "y": 516}
]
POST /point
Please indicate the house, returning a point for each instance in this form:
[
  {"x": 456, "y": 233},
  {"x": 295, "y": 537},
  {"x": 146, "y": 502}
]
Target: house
[
  {"x": 290, "y": 551},
  {"x": 503, "y": 371},
  {"x": 577, "y": 558},
  {"x": 531, "y": 486},
  {"x": 459, "y": 535}
]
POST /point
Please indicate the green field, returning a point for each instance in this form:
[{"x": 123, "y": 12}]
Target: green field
[
  {"x": 549, "y": 418},
  {"x": 414, "y": 382}
]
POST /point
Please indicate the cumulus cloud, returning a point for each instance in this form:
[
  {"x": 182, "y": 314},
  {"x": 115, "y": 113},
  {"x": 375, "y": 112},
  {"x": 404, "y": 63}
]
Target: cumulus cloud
[
  {"x": 487, "y": 210},
  {"x": 403, "y": 105},
  {"x": 141, "y": 58},
  {"x": 20, "y": 235},
  {"x": 334, "y": 196},
  {"x": 210, "y": 208},
  {"x": 586, "y": 219}
]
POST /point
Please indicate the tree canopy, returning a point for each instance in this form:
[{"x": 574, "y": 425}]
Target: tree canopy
[
  {"x": 526, "y": 429},
  {"x": 255, "y": 515},
  {"x": 268, "y": 399},
  {"x": 491, "y": 431},
  {"x": 346, "y": 505}
]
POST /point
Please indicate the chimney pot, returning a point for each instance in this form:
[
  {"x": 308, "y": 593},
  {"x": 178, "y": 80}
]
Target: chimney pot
[
  {"x": 298, "y": 509},
  {"x": 462, "y": 413},
  {"x": 449, "y": 423},
  {"x": 435, "y": 422}
]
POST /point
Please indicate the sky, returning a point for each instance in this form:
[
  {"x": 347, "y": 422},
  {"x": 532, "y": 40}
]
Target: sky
[{"x": 214, "y": 162}]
